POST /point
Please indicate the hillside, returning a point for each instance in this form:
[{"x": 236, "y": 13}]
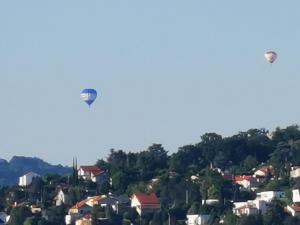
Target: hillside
[{"x": 11, "y": 170}]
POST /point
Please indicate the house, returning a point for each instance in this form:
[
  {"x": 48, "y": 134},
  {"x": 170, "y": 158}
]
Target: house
[
  {"x": 197, "y": 219},
  {"x": 250, "y": 207},
  {"x": 84, "y": 207},
  {"x": 77, "y": 211},
  {"x": 248, "y": 182},
  {"x": 3, "y": 218},
  {"x": 268, "y": 196},
  {"x": 247, "y": 209},
  {"x": 26, "y": 179},
  {"x": 294, "y": 210},
  {"x": 92, "y": 173},
  {"x": 296, "y": 196},
  {"x": 35, "y": 209},
  {"x": 295, "y": 172},
  {"x": 80, "y": 208},
  {"x": 62, "y": 196},
  {"x": 210, "y": 201},
  {"x": 145, "y": 203},
  {"x": 263, "y": 171}
]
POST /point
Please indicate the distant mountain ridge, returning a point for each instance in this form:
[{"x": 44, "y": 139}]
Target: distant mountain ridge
[{"x": 11, "y": 170}]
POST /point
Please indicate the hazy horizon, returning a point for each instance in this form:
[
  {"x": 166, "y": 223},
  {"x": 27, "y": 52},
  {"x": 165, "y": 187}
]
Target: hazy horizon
[{"x": 166, "y": 72}]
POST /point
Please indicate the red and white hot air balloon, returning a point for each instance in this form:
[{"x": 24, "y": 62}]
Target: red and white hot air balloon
[{"x": 271, "y": 56}]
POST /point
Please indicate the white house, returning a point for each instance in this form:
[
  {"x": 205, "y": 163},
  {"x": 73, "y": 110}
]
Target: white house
[
  {"x": 268, "y": 196},
  {"x": 248, "y": 182},
  {"x": 62, "y": 197},
  {"x": 26, "y": 179},
  {"x": 210, "y": 201},
  {"x": 296, "y": 196},
  {"x": 92, "y": 173},
  {"x": 197, "y": 219},
  {"x": 78, "y": 211},
  {"x": 84, "y": 207},
  {"x": 144, "y": 203},
  {"x": 263, "y": 171},
  {"x": 247, "y": 209},
  {"x": 295, "y": 172},
  {"x": 250, "y": 207}
]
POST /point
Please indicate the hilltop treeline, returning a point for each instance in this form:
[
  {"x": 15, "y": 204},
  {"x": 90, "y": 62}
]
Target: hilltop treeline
[
  {"x": 185, "y": 179},
  {"x": 237, "y": 154}
]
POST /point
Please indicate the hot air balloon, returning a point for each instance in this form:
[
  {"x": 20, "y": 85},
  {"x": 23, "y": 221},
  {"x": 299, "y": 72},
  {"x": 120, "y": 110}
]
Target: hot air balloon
[
  {"x": 271, "y": 56},
  {"x": 89, "y": 96}
]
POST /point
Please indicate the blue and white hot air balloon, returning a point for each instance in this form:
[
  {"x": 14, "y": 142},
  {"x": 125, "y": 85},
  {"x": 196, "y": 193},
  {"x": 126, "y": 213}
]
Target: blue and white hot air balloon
[{"x": 89, "y": 96}]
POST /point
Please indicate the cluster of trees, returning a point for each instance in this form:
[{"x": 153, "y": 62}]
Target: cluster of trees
[{"x": 169, "y": 176}]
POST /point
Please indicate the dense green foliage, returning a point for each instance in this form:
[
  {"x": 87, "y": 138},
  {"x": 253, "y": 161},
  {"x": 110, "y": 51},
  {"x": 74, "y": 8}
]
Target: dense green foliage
[{"x": 183, "y": 180}]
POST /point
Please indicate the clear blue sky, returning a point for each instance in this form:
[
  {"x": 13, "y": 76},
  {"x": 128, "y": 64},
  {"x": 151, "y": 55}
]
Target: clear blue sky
[{"x": 166, "y": 71}]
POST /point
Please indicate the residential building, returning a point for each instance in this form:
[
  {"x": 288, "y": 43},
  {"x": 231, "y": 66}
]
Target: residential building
[
  {"x": 80, "y": 208},
  {"x": 210, "y": 201},
  {"x": 84, "y": 207},
  {"x": 77, "y": 211},
  {"x": 263, "y": 171},
  {"x": 26, "y": 179},
  {"x": 295, "y": 172},
  {"x": 145, "y": 203},
  {"x": 197, "y": 219},
  {"x": 268, "y": 196},
  {"x": 92, "y": 173},
  {"x": 62, "y": 196},
  {"x": 247, "y": 209},
  {"x": 296, "y": 196},
  {"x": 250, "y": 207},
  {"x": 247, "y": 182}
]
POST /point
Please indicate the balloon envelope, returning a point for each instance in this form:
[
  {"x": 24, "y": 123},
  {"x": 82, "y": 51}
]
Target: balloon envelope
[
  {"x": 89, "y": 95},
  {"x": 271, "y": 56}
]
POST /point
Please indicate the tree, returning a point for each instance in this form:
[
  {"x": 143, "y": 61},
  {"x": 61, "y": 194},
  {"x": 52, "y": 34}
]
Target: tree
[
  {"x": 119, "y": 182},
  {"x": 275, "y": 214},
  {"x": 251, "y": 219},
  {"x": 230, "y": 219},
  {"x": 31, "y": 221},
  {"x": 157, "y": 219},
  {"x": 249, "y": 163},
  {"x": 195, "y": 208},
  {"x": 97, "y": 212},
  {"x": 291, "y": 221},
  {"x": 131, "y": 215},
  {"x": 210, "y": 145},
  {"x": 18, "y": 215},
  {"x": 56, "y": 214}
]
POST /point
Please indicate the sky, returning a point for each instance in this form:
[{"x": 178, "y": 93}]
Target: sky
[{"x": 166, "y": 72}]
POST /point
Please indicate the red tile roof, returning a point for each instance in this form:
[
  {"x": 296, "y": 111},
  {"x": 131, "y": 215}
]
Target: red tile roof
[
  {"x": 265, "y": 169},
  {"x": 227, "y": 176},
  {"x": 241, "y": 178},
  {"x": 79, "y": 204},
  {"x": 92, "y": 169},
  {"x": 250, "y": 206},
  {"x": 147, "y": 199},
  {"x": 97, "y": 198}
]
